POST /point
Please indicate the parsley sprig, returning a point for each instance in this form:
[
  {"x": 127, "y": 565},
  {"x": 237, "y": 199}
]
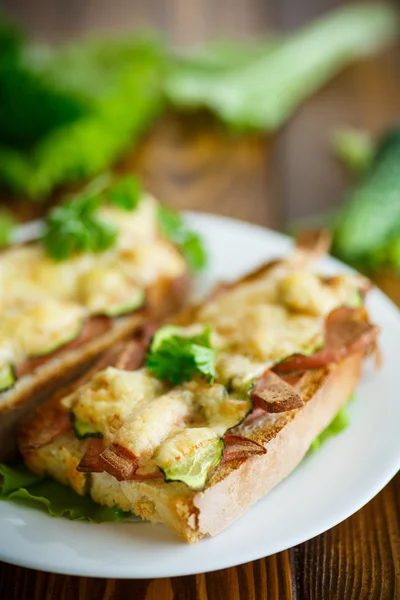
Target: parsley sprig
[
  {"x": 177, "y": 358},
  {"x": 7, "y": 226},
  {"x": 125, "y": 193},
  {"x": 189, "y": 242},
  {"x": 75, "y": 226}
]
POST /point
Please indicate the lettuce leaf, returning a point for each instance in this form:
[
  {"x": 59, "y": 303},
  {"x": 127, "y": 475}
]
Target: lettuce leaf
[
  {"x": 262, "y": 94},
  {"x": 21, "y": 486},
  {"x": 339, "y": 423},
  {"x": 118, "y": 84}
]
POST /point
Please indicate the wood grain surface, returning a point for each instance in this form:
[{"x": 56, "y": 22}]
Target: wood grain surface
[{"x": 194, "y": 163}]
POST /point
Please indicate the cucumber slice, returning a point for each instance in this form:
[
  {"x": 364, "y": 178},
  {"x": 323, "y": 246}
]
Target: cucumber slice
[
  {"x": 190, "y": 457},
  {"x": 7, "y": 377},
  {"x": 162, "y": 334},
  {"x": 68, "y": 337},
  {"x": 83, "y": 429},
  {"x": 135, "y": 301},
  {"x": 222, "y": 410}
]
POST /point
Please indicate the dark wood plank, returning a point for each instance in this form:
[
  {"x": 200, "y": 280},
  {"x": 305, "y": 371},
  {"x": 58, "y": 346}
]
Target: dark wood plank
[
  {"x": 265, "y": 579},
  {"x": 357, "y": 560}
]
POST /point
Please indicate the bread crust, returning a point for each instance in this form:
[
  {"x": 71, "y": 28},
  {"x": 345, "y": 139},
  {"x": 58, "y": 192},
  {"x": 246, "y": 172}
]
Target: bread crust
[
  {"x": 164, "y": 297},
  {"x": 234, "y": 486}
]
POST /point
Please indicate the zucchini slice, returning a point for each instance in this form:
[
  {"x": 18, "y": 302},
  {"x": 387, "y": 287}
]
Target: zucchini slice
[
  {"x": 189, "y": 456},
  {"x": 135, "y": 301},
  {"x": 8, "y": 377},
  {"x": 83, "y": 429},
  {"x": 223, "y": 410},
  {"x": 69, "y": 336}
]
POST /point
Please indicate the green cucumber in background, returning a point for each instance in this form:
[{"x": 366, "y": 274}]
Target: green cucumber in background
[{"x": 367, "y": 228}]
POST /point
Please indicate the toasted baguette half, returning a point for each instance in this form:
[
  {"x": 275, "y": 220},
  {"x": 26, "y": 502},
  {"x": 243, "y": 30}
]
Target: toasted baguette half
[
  {"x": 274, "y": 437},
  {"x": 234, "y": 486}
]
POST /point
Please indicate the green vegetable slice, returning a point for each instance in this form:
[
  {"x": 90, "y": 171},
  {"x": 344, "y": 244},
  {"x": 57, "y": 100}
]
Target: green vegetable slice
[
  {"x": 7, "y": 377},
  {"x": 136, "y": 300},
  {"x": 223, "y": 410},
  {"x": 367, "y": 229},
  {"x": 83, "y": 429},
  {"x": 194, "y": 469},
  {"x": 63, "y": 339}
]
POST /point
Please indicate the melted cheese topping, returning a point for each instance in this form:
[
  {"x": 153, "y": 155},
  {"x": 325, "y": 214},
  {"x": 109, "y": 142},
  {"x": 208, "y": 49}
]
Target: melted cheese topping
[
  {"x": 262, "y": 322},
  {"x": 254, "y": 326},
  {"x": 150, "y": 424},
  {"x": 111, "y": 395},
  {"x": 43, "y": 302},
  {"x": 32, "y": 329}
]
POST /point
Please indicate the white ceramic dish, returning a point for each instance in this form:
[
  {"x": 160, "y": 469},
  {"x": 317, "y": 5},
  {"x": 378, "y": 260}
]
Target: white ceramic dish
[{"x": 327, "y": 487}]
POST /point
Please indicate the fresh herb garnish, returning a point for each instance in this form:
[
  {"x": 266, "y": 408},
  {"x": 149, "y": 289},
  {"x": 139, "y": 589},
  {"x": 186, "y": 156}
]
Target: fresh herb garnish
[
  {"x": 125, "y": 193},
  {"x": 177, "y": 358},
  {"x": 189, "y": 243},
  {"x": 76, "y": 227}
]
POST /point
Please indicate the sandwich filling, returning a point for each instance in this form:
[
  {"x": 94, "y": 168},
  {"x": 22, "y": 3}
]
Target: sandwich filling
[{"x": 244, "y": 357}]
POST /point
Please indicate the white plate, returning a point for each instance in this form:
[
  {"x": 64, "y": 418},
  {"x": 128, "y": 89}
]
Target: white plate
[{"x": 327, "y": 487}]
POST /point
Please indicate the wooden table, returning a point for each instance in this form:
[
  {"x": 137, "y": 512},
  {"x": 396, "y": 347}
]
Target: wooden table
[{"x": 196, "y": 164}]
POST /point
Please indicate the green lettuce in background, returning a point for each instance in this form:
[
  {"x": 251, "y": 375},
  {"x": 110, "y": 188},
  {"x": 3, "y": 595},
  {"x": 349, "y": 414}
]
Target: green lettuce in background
[
  {"x": 262, "y": 93},
  {"x": 68, "y": 113},
  {"x": 114, "y": 93}
]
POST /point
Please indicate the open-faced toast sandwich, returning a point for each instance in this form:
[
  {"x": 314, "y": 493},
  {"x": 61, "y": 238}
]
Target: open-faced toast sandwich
[
  {"x": 59, "y": 309},
  {"x": 222, "y": 405}
]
